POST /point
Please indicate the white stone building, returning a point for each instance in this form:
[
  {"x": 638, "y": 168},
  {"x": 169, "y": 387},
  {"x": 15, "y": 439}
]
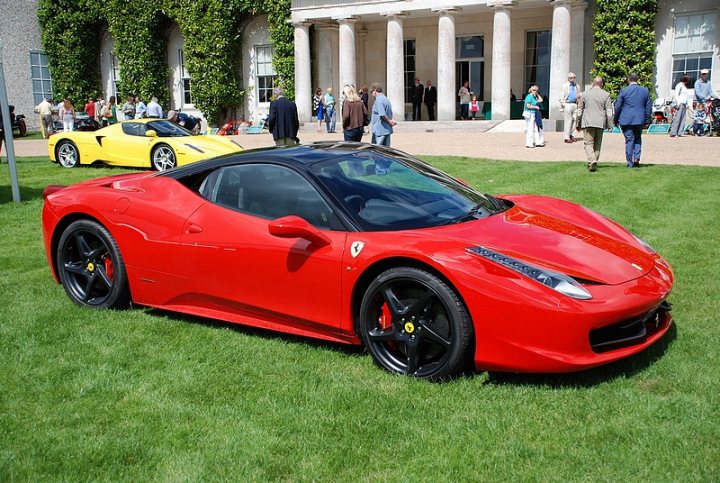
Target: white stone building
[{"x": 497, "y": 45}]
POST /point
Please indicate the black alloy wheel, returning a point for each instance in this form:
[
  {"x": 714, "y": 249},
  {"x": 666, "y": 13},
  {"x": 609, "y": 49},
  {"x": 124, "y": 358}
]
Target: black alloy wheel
[
  {"x": 90, "y": 266},
  {"x": 413, "y": 323}
]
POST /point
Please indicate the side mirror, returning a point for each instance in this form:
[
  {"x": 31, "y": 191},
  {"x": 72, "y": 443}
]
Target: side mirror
[
  {"x": 295, "y": 227},
  {"x": 150, "y": 133}
]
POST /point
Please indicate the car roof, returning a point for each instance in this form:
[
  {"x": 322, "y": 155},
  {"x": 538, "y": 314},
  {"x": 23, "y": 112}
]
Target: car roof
[{"x": 300, "y": 156}]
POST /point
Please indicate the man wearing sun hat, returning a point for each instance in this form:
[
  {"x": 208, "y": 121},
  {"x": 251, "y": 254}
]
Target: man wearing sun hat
[{"x": 703, "y": 88}]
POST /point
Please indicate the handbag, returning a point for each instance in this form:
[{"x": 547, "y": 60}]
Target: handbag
[{"x": 527, "y": 114}]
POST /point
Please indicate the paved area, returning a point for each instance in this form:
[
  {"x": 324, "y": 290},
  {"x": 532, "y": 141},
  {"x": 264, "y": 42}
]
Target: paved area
[{"x": 485, "y": 139}]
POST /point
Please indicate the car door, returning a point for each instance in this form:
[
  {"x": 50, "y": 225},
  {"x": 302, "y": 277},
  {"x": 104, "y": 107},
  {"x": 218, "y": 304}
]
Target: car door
[
  {"x": 128, "y": 145},
  {"x": 239, "y": 265}
]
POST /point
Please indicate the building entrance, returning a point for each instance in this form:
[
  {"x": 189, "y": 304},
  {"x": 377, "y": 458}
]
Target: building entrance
[{"x": 470, "y": 66}]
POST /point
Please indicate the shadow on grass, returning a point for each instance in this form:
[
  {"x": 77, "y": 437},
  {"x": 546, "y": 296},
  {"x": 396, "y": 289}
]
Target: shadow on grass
[
  {"x": 347, "y": 349},
  {"x": 26, "y": 194},
  {"x": 619, "y": 369},
  {"x": 592, "y": 377}
]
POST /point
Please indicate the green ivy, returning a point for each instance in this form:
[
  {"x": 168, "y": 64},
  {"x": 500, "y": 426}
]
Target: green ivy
[
  {"x": 71, "y": 31},
  {"x": 624, "y": 32}
]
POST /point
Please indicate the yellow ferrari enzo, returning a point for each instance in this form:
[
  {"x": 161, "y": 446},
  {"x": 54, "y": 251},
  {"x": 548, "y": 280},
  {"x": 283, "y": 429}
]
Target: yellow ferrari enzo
[{"x": 144, "y": 143}]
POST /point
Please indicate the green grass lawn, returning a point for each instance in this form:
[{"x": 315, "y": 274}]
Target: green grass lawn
[{"x": 146, "y": 395}]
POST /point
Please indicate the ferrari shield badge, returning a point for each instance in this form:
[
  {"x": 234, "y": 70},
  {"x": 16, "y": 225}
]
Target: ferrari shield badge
[{"x": 356, "y": 248}]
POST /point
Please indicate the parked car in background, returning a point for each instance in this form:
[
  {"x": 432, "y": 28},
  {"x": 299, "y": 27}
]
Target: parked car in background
[{"x": 142, "y": 143}]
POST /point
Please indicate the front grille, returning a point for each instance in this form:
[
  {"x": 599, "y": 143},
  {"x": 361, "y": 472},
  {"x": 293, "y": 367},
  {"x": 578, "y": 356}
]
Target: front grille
[{"x": 630, "y": 332}]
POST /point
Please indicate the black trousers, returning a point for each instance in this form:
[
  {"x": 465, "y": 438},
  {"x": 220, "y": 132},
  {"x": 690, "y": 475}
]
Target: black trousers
[
  {"x": 431, "y": 111},
  {"x": 417, "y": 111}
]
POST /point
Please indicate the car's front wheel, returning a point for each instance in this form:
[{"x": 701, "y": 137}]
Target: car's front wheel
[
  {"x": 90, "y": 266},
  {"x": 163, "y": 157},
  {"x": 414, "y": 323},
  {"x": 67, "y": 154}
]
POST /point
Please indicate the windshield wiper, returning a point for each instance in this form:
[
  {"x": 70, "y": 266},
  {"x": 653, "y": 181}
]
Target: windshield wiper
[{"x": 473, "y": 214}]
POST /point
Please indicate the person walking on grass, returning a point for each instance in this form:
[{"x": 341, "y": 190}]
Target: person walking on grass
[
  {"x": 633, "y": 108},
  {"x": 594, "y": 114}
]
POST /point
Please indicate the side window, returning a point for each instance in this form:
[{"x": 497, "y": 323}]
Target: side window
[
  {"x": 134, "y": 128},
  {"x": 268, "y": 191}
]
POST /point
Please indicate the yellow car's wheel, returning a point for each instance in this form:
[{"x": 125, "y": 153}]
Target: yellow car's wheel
[
  {"x": 67, "y": 154},
  {"x": 163, "y": 157}
]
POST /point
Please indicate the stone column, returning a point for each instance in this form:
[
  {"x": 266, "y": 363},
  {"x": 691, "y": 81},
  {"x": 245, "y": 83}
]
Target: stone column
[
  {"x": 325, "y": 41},
  {"x": 559, "y": 56},
  {"x": 501, "y": 55},
  {"x": 447, "y": 97},
  {"x": 346, "y": 63},
  {"x": 303, "y": 79},
  {"x": 360, "y": 64},
  {"x": 395, "y": 80},
  {"x": 577, "y": 44}
]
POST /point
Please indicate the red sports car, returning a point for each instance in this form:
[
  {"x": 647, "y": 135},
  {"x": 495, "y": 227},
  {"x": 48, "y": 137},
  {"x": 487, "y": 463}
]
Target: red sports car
[{"x": 360, "y": 244}]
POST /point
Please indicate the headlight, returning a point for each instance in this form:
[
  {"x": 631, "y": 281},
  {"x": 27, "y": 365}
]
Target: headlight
[
  {"x": 643, "y": 243},
  {"x": 557, "y": 281}
]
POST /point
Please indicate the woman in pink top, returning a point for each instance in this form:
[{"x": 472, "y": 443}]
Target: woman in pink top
[{"x": 67, "y": 114}]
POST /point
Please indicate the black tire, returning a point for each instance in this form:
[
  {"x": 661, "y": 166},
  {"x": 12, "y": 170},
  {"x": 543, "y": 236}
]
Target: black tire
[
  {"x": 91, "y": 268},
  {"x": 67, "y": 154},
  {"x": 22, "y": 128},
  {"x": 163, "y": 158},
  {"x": 413, "y": 323}
]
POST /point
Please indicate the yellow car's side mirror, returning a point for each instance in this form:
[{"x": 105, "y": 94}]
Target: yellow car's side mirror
[{"x": 150, "y": 133}]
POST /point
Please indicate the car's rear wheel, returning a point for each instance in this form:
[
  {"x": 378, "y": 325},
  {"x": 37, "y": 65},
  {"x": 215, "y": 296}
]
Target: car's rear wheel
[
  {"x": 90, "y": 266},
  {"x": 413, "y": 323},
  {"x": 67, "y": 154},
  {"x": 163, "y": 157}
]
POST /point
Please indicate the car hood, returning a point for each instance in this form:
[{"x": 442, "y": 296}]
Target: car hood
[
  {"x": 212, "y": 144},
  {"x": 559, "y": 244}
]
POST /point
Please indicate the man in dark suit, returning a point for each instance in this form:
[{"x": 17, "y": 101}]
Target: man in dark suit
[
  {"x": 417, "y": 97},
  {"x": 632, "y": 112},
  {"x": 430, "y": 99},
  {"x": 283, "y": 119}
]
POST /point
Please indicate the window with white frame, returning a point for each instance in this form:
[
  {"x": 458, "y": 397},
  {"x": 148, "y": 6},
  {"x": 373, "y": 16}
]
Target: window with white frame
[
  {"x": 264, "y": 72},
  {"x": 693, "y": 45},
  {"x": 410, "y": 68},
  {"x": 185, "y": 84},
  {"x": 40, "y": 73},
  {"x": 115, "y": 76},
  {"x": 537, "y": 60}
]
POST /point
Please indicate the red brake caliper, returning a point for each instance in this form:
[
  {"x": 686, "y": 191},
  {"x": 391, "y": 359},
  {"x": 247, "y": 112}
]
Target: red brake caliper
[
  {"x": 109, "y": 268},
  {"x": 385, "y": 319}
]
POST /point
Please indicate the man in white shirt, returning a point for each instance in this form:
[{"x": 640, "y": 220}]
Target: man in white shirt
[
  {"x": 45, "y": 109},
  {"x": 153, "y": 109}
]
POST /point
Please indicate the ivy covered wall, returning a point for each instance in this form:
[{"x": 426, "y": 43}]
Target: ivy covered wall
[
  {"x": 71, "y": 32},
  {"x": 624, "y": 32}
]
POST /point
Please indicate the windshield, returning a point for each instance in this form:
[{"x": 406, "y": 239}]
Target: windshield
[
  {"x": 167, "y": 129},
  {"x": 383, "y": 192}
]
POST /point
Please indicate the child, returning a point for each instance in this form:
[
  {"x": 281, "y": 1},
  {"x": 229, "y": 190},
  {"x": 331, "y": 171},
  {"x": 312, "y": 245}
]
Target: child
[
  {"x": 699, "y": 120},
  {"x": 474, "y": 107}
]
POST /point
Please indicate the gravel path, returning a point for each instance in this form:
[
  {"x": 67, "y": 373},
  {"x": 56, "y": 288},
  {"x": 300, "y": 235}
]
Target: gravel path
[{"x": 473, "y": 140}]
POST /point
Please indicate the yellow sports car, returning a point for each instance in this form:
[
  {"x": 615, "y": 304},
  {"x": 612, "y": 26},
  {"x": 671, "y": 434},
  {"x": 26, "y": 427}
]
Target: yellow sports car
[{"x": 144, "y": 143}]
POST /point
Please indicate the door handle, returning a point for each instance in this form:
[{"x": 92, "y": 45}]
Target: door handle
[{"x": 193, "y": 228}]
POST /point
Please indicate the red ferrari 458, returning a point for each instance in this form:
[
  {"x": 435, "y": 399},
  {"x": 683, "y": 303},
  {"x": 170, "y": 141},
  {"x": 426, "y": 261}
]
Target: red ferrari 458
[{"x": 360, "y": 244}]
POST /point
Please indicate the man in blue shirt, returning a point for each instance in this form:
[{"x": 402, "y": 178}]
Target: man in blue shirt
[
  {"x": 191, "y": 123},
  {"x": 382, "y": 117},
  {"x": 703, "y": 88},
  {"x": 569, "y": 94}
]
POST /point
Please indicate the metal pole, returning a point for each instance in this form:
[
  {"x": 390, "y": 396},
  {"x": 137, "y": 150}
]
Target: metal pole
[{"x": 7, "y": 129}]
